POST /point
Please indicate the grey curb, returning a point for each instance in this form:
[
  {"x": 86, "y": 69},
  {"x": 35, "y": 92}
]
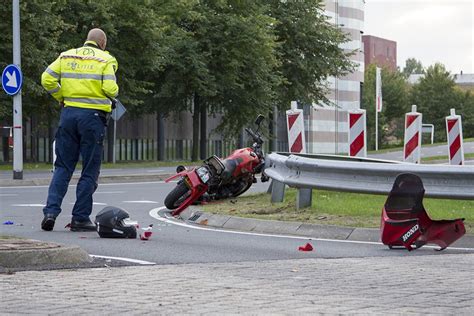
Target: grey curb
[
  {"x": 195, "y": 215},
  {"x": 53, "y": 254}
]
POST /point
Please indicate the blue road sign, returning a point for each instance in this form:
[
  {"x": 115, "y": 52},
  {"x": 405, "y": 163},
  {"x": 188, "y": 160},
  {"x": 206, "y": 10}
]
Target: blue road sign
[{"x": 12, "y": 79}]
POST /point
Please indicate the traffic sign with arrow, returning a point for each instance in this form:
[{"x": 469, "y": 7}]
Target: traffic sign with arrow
[{"x": 12, "y": 79}]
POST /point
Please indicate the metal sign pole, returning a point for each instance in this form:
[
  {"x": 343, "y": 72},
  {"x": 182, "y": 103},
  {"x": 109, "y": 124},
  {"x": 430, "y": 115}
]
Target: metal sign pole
[
  {"x": 17, "y": 112},
  {"x": 376, "y": 130},
  {"x": 116, "y": 115},
  {"x": 115, "y": 141},
  {"x": 378, "y": 103},
  {"x": 432, "y": 134}
]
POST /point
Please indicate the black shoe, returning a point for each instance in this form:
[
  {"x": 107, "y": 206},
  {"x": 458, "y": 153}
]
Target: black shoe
[
  {"x": 84, "y": 226},
  {"x": 47, "y": 223}
]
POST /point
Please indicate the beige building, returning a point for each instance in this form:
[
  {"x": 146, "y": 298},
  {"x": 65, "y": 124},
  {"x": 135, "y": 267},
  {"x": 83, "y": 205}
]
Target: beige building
[{"x": 327, "y": 124}]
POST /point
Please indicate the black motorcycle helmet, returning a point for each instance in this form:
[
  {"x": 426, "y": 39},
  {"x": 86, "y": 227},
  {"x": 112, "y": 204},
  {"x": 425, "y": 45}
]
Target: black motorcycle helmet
[{"x": 111, "y": 222}]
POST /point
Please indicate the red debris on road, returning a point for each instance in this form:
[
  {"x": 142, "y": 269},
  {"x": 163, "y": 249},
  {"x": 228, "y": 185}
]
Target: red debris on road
[{"x": 307, "y": 247}]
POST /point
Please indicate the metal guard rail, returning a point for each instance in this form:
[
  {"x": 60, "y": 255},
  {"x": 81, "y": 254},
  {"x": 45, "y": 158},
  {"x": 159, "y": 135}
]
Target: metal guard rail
[{"x": 364, "y": 175}]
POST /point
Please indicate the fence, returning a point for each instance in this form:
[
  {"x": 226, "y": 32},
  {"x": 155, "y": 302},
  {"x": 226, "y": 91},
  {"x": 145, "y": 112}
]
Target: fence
[{"x": 139, "y": 149}]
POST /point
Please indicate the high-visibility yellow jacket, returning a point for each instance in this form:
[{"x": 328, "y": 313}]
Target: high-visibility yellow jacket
[{"x": 83, "y": 77}]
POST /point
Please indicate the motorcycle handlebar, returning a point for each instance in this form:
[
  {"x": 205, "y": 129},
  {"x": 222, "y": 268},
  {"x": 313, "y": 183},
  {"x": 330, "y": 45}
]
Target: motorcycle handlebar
[
  {"x": 255, "y": 137},
  {"x": 251, "y": 133}
]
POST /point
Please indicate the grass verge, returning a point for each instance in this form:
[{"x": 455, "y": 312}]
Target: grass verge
[
  {"x": 9, "y": 237},
  {"x": 444, "y": 158},
  {"x": 335, "y": 208},
  {"x": 400, "y": 148}
]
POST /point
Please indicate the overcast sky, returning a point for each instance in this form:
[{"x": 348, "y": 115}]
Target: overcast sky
[{"x": 428, "y": 30}]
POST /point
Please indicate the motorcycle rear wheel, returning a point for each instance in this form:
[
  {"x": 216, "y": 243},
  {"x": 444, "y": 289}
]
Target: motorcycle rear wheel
[{"x": 174, "y": 199}]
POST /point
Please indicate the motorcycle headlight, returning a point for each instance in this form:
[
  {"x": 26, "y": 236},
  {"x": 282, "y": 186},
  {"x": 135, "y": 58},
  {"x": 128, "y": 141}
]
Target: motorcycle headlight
[{"x": 203, "y": 173}]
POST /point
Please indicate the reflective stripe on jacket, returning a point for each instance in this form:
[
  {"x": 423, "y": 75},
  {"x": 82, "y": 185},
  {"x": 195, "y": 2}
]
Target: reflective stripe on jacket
[{"x": 83, "y": 77}]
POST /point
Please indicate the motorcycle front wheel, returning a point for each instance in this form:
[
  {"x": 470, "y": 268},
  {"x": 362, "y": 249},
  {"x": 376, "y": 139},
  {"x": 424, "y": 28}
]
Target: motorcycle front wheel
[
  {"x": 177, "y": 196},
  {"x": 240, "y": 188}
]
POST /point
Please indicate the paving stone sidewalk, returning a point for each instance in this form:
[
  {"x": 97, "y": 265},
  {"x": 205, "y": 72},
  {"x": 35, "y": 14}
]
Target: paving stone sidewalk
[
  {"x": 27, "y": 252},
  {"x": 390, "y": 285}
]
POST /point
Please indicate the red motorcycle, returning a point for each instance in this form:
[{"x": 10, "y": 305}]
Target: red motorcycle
[{"x": 218, "y": 179}]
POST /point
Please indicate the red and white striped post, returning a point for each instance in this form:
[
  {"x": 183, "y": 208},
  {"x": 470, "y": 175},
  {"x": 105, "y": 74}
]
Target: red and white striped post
[
  {"x": 412, "y": 147},
  {"x": 454, "y": 131},
  {"x": 357, "y": 133},
  {"x": 296, "y": 138}
]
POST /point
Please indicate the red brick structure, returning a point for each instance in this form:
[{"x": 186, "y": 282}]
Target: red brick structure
[{"x": 380, "y": 51}]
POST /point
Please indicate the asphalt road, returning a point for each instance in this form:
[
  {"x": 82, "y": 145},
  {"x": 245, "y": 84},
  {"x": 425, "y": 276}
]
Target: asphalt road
[
  {"x": 170, "y": 243},
  {"x": 426, "y": 151}
]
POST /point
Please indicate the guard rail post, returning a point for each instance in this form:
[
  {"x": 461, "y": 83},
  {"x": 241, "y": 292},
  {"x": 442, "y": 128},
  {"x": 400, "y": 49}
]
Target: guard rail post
[
  {"x": 278, "y": 191},
  {"x": 296, "y": 144},
  {"x": 304, "y": 198}
]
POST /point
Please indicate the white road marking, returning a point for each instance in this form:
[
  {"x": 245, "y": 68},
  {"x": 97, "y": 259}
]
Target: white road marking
[
  {"x": 125, "y": 259},
  {"x": 154, "y": 213},
  {"x": 141, "y": 201},
  {"x": 26, "y": 187},
  {"x": 93, "y": 203},
  {"x": 29, "y": 205},
  {"x": 74, "y": 185},
  {"x": 130, "y": 174},
  {"x": 126, "y": 183},
  {"x": 110, "y": 192},
  {"x": 6, "y": 194}
]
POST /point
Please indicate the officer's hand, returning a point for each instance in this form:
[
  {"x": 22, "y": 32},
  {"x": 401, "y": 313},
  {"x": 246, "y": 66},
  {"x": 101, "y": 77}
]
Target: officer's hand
[{"x": 61, "y": 104}]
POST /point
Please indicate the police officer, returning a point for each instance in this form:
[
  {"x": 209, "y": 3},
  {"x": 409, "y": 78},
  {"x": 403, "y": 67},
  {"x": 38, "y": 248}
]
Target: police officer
[{"x": 83, "y": 81}]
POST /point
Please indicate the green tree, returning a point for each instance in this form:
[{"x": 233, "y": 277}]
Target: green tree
[
  {"x": 434, "y": 96},
  {"x": 133, "y": 31},
  {"x": 395, "y": 93},
  {"x": 412, "y": 66},
  {"x": 465, "y": 108},
  {"x": 242, "y": 57},
  {"x": 39, "y": 44},
  {"x": 243, "y": 62},
  {"x": 220, "y": 56},
  {"x": 135, "y": 44},
  {"x": 48, "y": 28},
  {"x": 235, "y": 57}
]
